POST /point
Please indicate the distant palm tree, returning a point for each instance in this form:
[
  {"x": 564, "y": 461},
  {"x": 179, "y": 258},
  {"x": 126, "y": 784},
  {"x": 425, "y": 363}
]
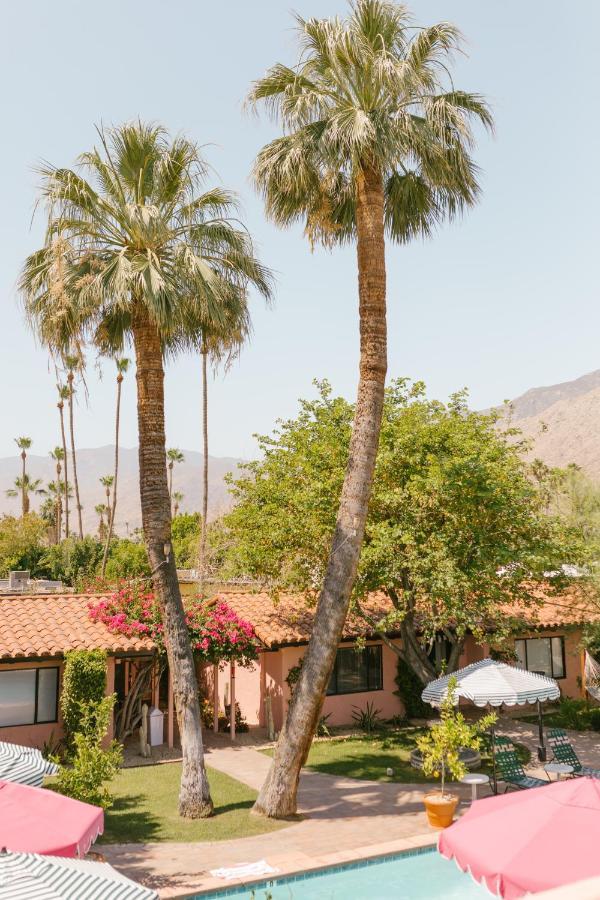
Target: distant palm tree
[
  {"x": 101, "y": 509},
  {"x": 174, "y": 456},
  {"x": 63, "y": 394},
  {"x": 107, "y": 482},
  {"x": 177, "y": 498},
  {"x": 58, "y": 456},
  {"x": 24, "y": 488},
  {"x": 73, "y": 364},
  {"x": 376, "y": 140},
  {"x": 24, "y": 443},
  {"x": 56, "y": 491},
  {"x": 122, "y": 366},
  {"x": 152, "y": 256}
]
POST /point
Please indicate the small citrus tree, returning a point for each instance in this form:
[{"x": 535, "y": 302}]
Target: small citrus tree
[{"x": 442, "y": 745}]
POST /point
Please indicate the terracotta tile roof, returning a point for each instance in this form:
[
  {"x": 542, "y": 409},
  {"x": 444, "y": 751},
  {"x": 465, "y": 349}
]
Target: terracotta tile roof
[
  {"x": 288, "y": 620},
  {"x": 570, "y": 607},
  {"x": 49, "y": 624}
]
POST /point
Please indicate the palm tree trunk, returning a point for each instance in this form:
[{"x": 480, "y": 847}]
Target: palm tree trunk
[
  {"x": 64, "y": 446},
  {"x": 278, "y": 796},
  {"x": 111, "y": 520},
  {"x": 24, "y": 492},
  {"x": 202, "y": 559},
  {"x": 194, "y": 795},
  {"x": 75, "y": 479}
]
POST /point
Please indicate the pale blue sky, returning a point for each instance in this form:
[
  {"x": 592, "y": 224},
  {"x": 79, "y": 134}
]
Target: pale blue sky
[{"x": 505, "y": 300}]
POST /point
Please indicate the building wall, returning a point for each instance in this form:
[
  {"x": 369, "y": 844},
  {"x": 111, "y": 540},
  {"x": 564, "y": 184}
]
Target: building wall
[{"x": 33, "y": 735}]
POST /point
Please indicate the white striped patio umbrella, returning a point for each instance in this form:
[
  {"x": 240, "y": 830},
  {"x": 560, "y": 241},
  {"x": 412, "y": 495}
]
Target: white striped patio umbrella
[
  {"x": 28, "y": 876},
  {"x": 25, "y": 765},
  {"x": 492, "y": 683}
]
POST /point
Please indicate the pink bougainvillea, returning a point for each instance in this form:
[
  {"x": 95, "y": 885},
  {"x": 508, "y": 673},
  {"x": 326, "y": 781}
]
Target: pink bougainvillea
[{"x": 217, "y": 633}]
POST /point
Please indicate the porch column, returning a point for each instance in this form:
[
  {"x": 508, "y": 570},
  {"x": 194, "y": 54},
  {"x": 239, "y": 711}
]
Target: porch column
[
  {"x": 232, "y": 700},
  {"x": 216, "y": 698},
  {"x": 171, "y": 710}
]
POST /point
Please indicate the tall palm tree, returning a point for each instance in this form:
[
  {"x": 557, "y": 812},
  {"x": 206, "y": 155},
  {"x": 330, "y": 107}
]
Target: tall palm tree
[
  {"x": 56, "y": 491},
  {"x": 24, "y": 487},
  {"x": 74, "y": 363},
  {"x": 375, "y": 141},
  {"x": 174, "y": 455},
  {"x": 58, "y": 456},
  {"x": 101, "y": 510},
  {"x": 64, "y": 394},
  {"x": 122, "y": 366},
  {"x": 24, "y": 443},
  {"x": 177, "y": 498},
  {"x": 107, "y": 482},
  {"x": 152, "y": 256}
]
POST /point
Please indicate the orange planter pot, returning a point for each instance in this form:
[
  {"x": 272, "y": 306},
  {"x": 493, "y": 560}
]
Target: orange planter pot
[{"x": 440, "y": 808}]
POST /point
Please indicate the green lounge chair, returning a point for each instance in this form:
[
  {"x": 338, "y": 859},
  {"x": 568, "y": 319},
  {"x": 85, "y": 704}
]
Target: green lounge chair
[
  {"x": 510, "y": 770},
  {"x": 564, "y": 753}
]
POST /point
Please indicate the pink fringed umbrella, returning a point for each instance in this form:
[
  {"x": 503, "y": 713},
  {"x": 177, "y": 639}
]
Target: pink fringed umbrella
[
  {"x": 529, "y": 841},
  {"x": 34, "y": 820}
]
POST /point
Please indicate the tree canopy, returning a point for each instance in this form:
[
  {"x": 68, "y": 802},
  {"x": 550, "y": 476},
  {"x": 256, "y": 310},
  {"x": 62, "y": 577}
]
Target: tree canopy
[{"x": 457, "y": 528}]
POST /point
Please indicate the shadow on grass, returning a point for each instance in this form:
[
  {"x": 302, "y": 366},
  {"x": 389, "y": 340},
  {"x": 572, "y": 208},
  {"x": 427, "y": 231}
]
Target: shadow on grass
[{"x": 127, "y": 821}]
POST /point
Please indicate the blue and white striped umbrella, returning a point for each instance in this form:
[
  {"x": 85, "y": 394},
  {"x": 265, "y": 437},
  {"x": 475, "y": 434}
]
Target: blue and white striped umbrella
[
  {"x": 29, "y": 876},
  {"x": 25, "y": 765},
  {"x": 492, "y": 683}
]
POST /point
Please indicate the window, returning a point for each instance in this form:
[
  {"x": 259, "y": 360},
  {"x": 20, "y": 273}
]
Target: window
[
  {"x": 356, "y": 670},
  {"x": 543, "y": 655},
  {"x": 28, "y": 696}
]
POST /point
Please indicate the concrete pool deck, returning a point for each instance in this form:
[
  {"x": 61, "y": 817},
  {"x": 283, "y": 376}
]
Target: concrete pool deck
[{"x": 346, "y": 820}]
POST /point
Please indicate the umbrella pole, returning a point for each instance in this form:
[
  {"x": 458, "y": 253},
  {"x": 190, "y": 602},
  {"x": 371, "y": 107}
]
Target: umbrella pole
[
  {"x": 494, "y": 776},
  {"x": 542, "y": 755}
]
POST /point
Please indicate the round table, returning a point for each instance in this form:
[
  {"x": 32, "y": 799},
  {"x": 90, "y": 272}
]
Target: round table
[
  {"x": 558, "y": 769},
  {"x": 474, "y": 779}
]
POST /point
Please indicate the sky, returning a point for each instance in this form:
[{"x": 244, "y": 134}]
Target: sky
[{"x": 505, "y": 300}]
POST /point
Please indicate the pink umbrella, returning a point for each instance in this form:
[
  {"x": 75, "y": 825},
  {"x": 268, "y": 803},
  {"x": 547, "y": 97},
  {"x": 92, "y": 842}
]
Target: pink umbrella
[
  {"x": 35, "y": 820},
  {"x": 529, "y": 841}
]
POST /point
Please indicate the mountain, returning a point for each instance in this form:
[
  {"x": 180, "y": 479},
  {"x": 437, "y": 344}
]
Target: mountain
[
  {"x": 94, "y": 462},
  {"x": 563, "y": 421}
]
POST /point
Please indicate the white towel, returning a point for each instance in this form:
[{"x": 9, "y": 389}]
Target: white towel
[{"x": 245, "y": 870}]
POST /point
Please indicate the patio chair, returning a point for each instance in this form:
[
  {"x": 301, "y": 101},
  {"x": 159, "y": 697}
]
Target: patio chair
[
  {"x": 510, "y": 770},
  {"x": 564, "y": 753}
]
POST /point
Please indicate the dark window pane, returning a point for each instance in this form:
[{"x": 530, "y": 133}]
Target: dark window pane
[
  {"x": 539, "y": 658},
  {"x": 520, "y": 653},
  {"x": 558, "y": 666},
  {"x": 374, "y": 668},
  {"x": 47, "y": 695},
  {"x": 351, "y": 671},
  {"x": 17, "y": 697}
]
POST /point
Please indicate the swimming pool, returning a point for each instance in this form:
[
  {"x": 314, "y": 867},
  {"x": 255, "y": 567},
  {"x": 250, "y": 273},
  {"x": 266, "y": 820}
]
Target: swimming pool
[{"x": 416, "y": 875}]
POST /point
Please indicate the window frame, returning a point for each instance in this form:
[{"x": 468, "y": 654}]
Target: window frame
[
  {"x": 368, "y": 690},
  {"x": 546, "y": 637},
  {"x": 36, "y": 720}
]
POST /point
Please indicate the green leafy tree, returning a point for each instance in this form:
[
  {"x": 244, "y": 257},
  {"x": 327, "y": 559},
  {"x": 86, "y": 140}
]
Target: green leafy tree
[
  {"x": 73, "y": 561},
  {"x": 186, "y": 535},
  {"x": 443, "y": 742},
  {"x": 22, "y": 543},
  {"x": 456, "y": 531},
  {"x": 375, "y": 145},
  {"x": 83, "y": 682},
  {"x": 126, "y": 559},
  {"x": 148, "y": 257}
]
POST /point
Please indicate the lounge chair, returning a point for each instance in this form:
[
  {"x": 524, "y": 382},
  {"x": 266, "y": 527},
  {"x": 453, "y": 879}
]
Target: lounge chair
[
  {"x": 564, "y": 753},
  {"x": 510, "y": 770}
]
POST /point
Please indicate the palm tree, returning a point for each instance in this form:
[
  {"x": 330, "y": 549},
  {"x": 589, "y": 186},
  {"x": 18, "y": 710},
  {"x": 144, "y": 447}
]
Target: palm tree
[
  {"x": 74, "y": 363},
  {"x": 107, "y": 482},
  {"x": 64, "y": 394},
  {"x": 56, "y": 490},
  {"x": 152, "y": 256},
  {"x": 58, "y": 456},
  {"x": 101, "y": 510},
  {"x": 122, "y": 366},
  {"x": 24, "y": 443},
  {"x": 373, "y": 143},
  {"x": 24, "y": 487},
  {"x": 177, "y": 498},
  {"x": 174, "y": 455}
]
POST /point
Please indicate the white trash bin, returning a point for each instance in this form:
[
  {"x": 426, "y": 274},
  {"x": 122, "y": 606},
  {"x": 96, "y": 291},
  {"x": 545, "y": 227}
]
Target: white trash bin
[{"x": 156, "y": 726}]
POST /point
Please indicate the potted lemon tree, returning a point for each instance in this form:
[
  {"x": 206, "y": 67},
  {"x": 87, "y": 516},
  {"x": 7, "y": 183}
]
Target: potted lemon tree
[{"x": 441, "y": 747}]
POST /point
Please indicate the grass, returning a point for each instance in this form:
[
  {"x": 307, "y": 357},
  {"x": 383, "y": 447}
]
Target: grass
[
  {"x": 369, "y": 756},
  {"x": 145, "y": 808}
]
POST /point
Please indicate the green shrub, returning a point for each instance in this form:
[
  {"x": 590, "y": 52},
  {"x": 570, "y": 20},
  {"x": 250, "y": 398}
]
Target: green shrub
[
  {"x": 73, "y": 561},
  {"x": 409, "y": 691},
  {"x": 127, "y": 559},
  {"x": 84, "y": 682},
  {"x": 91, "y": 764}
]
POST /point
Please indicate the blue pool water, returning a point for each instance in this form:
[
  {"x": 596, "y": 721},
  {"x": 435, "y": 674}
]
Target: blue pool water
[{"x": 423, "y": 875}]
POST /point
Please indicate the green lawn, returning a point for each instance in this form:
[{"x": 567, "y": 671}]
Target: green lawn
[
  {"x": 145, "y": 808},
  {"x": 368, "y": 756}
]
